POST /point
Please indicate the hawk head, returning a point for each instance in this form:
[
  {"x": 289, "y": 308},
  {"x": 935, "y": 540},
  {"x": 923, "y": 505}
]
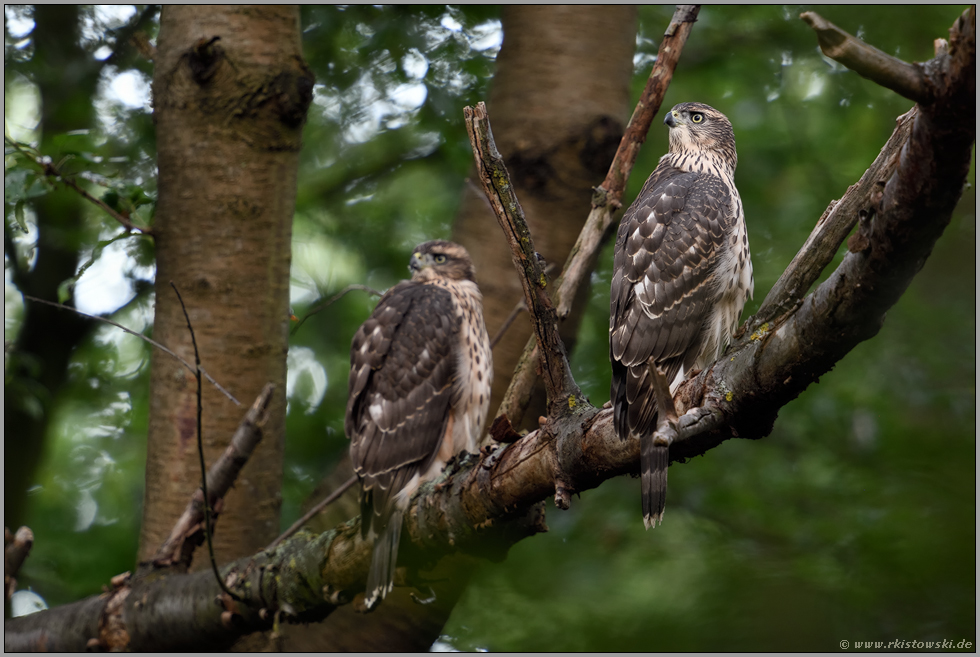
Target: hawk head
[
  {"x": 441, "y": 259},
  {"x": 702, "y": 132}
]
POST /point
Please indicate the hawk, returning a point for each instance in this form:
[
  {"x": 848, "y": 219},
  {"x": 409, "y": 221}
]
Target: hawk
[
  {"x": 419, "y": 388},
  {"x": 681, "y": 274}
]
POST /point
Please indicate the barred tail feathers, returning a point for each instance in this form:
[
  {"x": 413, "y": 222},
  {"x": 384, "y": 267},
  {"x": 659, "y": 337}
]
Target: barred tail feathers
[
  {"x": 653, "y": 480},
  {"x": 381, "y": 576}
]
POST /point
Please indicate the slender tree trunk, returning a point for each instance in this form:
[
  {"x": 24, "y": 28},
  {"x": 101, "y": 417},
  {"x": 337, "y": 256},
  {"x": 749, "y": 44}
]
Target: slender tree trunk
[
  {"x": 560, "y": 102},
  {"x": 47, "y": 336},
  {"x": 230, "y": 93}
]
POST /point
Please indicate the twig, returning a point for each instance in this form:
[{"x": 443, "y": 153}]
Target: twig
[
  {"x": 507, "y": 322},
  {"x": 334, "y": 298},
  {"x": 50, "y": 170},
  {"x": 907, "y": 80},
  {"x": 607, "y": 199},
  {"x": 16, "y": 547},
  {"x": 221, "y": 475},
  {"x": 128, "y": 33},
  {"x": 329, "y": 499},
  {"x": 141, "y": 337},
  {"x": 200, "y": 451},
  {"x": 518, "y": 307}
]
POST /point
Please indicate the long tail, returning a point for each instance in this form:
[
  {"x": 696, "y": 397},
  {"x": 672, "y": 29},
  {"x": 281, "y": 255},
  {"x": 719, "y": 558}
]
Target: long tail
[
  {"x": 653, "y": 480},
  {"x": 381, "y": 576}
]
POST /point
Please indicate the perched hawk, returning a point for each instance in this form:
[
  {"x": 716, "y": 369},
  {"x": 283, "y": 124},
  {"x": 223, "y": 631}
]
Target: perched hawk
[
  {"x": 419, "y": 388},
  {"x": 681, "y": 275}
]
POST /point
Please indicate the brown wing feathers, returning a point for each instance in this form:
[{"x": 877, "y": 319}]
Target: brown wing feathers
[
  {"x": 402, "y": 371},
  {"x": 663, "y": 286}
]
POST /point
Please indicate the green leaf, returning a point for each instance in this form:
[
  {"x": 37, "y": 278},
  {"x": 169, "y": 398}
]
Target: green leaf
[
  {"x": 19, "y": 215},
  {"x": 66, "y": 288}
]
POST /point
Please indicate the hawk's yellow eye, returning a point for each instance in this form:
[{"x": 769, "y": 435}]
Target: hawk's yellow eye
[
  {"x": 439, "y": 258},
  {"x": 697, "y": 117}
]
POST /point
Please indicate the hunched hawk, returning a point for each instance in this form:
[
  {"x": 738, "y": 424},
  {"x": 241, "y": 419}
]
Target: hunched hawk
[
  {"x": 419, "y": 389},
  {"x": 681, "y": 275}
]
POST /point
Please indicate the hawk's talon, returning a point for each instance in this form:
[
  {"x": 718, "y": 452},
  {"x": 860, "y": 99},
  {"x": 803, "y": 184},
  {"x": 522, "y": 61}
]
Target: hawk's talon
[{"x": 429, "y": 599}]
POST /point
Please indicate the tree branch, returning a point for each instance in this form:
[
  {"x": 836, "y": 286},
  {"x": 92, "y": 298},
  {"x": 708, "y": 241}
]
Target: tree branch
[
  {"x": 16, "y": 547},
  {"x": 832, "y": 228},
  {"x": 607, "y": 199},
  {"x": 332, "y": 300},
  {"x": 49, "y": 169},
  {"x": 497, "y": 185},
  {"x": 186, "y": 535},
  {"x": 907, "y": 80}
]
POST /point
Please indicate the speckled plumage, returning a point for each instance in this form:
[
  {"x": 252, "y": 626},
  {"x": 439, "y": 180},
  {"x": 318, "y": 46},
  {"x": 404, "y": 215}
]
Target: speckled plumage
[
  {"x": 682, "y": 272},
  {"x": 419, "y": 389}
]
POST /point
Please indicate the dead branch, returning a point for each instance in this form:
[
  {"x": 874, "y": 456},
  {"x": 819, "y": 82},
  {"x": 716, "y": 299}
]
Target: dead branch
[
  {"x": 607, "y": 199},
  {"x": 16, "y": 547},
  {"x": 186, "y": 534},
  {"x": 499, "y": 190},
  {"x": 907, "y": 80},
  {"x": 833, "y": 227}
]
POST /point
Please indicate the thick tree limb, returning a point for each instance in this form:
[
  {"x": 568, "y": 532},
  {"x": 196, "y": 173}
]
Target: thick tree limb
[
  {"x": 483, "y": 505},
  {"x": 186, "y": 535},
  {"x": 607, "y": 199}
]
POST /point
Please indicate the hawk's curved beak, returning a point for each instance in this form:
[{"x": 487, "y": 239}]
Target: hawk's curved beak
[
  {"x": 670, "y": 121},
  {"x": 415, "y": 264}
]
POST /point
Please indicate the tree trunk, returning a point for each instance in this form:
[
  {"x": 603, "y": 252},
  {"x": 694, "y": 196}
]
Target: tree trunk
[
  {"x": 558, "y": 115},
  {"x": 47, "y": 336},
  {"x": 230, "y": 92}
]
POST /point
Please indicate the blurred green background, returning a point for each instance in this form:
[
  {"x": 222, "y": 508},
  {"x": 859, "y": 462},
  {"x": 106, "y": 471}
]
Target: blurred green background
[{"x": 855, "y": 519}]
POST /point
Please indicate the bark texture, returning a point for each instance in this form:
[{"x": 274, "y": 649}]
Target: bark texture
[
  {"x": 560, "y": 101},
  {"x": 230, "y": 93}
]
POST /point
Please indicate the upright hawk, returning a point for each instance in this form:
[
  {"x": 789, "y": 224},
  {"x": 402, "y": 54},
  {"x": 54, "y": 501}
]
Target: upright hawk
[
  {"x": 419, "y": 389},
  {"x": 681, "y": 275}
]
